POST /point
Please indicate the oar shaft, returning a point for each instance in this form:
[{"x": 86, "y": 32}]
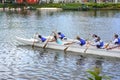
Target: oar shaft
[
  {"x": 34, "y": 40},
  {"x": 87, "y": 46},
  {"x": 69, "y": 45},
  {"x": 47, "y": 41},
  {"x": 107, "y": 45},
  {"x": 113, "y": 47}
]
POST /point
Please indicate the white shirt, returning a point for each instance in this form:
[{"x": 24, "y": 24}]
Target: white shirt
[{"x": 115, "y": 40}]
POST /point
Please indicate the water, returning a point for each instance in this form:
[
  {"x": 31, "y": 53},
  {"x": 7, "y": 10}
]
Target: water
[{"x": 24, "y": 63}]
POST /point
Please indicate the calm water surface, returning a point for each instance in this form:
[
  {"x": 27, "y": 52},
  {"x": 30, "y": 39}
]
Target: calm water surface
[{"x": 24, "y": 63}]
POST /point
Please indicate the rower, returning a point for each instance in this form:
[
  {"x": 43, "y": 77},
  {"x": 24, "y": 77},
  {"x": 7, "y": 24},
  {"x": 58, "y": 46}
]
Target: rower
[
  {"x": 81, "y": 41},
  {"x": 116, "y": 40},
  {"x": 43, "y": 39},
  {"x": 99, "y": 43},
  {"x": 58, "y": 40},
  {"x": 94, "y": 36},
  {"x": 62, "y": 36}
]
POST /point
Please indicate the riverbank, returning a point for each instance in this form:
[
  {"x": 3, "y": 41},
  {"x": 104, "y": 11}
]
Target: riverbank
[
  {"x": 67, "y": 6},
  {"x": 49, "y": 9},
  {"x": 80, "y": 6}
]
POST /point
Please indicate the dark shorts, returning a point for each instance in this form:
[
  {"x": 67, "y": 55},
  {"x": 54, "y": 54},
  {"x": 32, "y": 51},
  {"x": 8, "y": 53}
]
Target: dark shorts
[
  {"x": 116, "y": 42},
  {"x": 82, "y": 44},
  {"x": 98, "y": 46}
]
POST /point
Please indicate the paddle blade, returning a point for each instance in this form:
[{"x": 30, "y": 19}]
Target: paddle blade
[
  {"x": 32, "y": 46},
  {"x": 106, "y": 46},
  {"x": 85, "y": 50},
  {"x": 44, "y": 46}
]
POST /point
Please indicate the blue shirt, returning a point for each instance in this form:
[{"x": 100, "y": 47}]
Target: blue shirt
[
  {"x": 82, "y": 42},
  {"x": 101, "y": 44},
  {"x": 43, "y": 39},
  {"x": 62, "y": 36},
  {"x": 118, "y": 40}
]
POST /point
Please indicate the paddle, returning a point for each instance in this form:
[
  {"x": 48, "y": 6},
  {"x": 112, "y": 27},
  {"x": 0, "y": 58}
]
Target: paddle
[
  {"x": 69, "y": 45},
  {"x": 66, "y": 48},
  {"x": 87, "y": 46},
  {"x": 113, "y": 47},
  {"x": 34, "y": 40},
  {"x": 107, "y": 45},
  {"x": 47, "y": 41}
]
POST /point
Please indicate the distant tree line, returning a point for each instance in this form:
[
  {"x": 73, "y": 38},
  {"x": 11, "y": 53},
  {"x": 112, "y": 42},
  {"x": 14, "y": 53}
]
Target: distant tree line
[{"x": 60, "y": 1}]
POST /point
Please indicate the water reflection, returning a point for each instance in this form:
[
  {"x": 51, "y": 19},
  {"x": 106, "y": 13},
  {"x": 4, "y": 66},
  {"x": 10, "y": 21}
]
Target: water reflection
[
  {"x": 26, "y": 63},
  {"x": 98, "y": 63},
  {"x": 80, "y": 60}
]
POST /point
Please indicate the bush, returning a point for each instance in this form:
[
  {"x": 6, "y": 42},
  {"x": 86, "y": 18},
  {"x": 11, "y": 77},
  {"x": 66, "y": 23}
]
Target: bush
[{"x": 95, "y": 75}]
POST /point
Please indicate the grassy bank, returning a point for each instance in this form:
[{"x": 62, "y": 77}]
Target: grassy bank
[{"x": 69, "y": 6}]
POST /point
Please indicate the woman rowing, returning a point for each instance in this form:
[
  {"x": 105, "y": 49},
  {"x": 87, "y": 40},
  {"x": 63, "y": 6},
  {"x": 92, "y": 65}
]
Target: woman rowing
[
  {"x": 99, "y": 43},
  {"x": 116, "y": 40},
  {"x": 62, "y": 36},
  {"x": 81, "y": 41},
  {"x": 58, "y": 39},
  {"x": 94, "y": 36}
]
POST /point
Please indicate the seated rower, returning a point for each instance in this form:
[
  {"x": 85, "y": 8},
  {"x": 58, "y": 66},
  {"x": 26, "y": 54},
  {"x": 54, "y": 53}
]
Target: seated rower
[
  {"x": 62, "y": 36},
  {"x": 43, "y": 39},
  {"x": 116, "y": 40},
  {"x": 99, "y": 43},
  {"x": 81, "y": 41},
  {"x": 59, "y": 41},
  {"x": 94, "y": 36}
]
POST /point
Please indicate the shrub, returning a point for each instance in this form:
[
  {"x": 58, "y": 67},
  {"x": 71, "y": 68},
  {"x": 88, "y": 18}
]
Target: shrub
[{"x": 95, "y": 75}]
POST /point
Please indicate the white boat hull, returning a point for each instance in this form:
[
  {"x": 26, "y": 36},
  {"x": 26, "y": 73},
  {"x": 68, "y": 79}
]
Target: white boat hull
[{"x": 73, "y": 48}]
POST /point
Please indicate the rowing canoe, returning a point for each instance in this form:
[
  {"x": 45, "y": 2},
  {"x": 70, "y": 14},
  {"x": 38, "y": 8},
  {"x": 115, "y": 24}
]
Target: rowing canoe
[{"x": 73, "y": 48}]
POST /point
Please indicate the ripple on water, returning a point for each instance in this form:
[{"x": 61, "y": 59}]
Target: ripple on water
[{"x": 24, "y": 63}]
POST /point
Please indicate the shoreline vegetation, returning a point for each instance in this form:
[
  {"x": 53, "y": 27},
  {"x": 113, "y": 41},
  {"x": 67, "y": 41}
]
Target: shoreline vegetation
[{"x": 63, "y": 6}]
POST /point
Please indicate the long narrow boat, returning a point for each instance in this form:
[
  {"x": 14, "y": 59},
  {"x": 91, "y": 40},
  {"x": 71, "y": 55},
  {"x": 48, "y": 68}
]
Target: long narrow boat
[{"x": 73, "y": 47}]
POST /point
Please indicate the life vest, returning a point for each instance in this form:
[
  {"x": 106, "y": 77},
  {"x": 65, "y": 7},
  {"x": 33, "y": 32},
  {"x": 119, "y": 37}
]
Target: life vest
[
  {"x": 43, "y": 39},
  {"x": 101, "y": 44},
  {"x": 119, "y": 41},
  {"x": 82, "y": 42},
  {"x": 62, "y": 36}
]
